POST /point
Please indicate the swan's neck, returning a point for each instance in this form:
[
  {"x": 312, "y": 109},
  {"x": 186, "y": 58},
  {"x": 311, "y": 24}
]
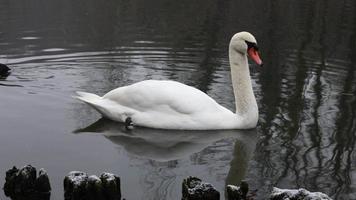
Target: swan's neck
[{"x": 245, "y": 101}]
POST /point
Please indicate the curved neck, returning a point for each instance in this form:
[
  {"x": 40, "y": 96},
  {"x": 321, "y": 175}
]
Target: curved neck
[{"x": 245, "y": 101}]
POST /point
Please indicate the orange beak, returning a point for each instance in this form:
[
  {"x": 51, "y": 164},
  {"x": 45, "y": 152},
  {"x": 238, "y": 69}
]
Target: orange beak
[{"x": 253, "y": 53}]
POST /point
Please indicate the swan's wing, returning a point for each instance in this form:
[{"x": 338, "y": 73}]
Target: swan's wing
[
  {"x": 163, "y": 104},
  {"x": 164, "y": 97}
]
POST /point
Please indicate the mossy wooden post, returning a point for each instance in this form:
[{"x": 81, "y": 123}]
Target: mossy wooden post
[
  {"x": 286, "y": 194},
  {"x": 78, "y": 186},
  {"x": 4, "y": 71},
  {"x": 111, "y": 186},
  {"x": 21, "y": 184},
  {"x": 194, "y": 189},
  {"x": 94, "y": 188},
  {"x": 75, "y": 186},
  {"x": 237, "y": 193}
]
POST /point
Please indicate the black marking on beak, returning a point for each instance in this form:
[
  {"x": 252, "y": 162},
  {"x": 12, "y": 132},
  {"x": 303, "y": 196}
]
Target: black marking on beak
[{"x": 251, "y": 45}]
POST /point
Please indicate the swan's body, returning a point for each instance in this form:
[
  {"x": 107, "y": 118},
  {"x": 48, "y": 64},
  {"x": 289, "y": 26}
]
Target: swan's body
[
  {"x": 173, "y": 105},
  {"x": 164, "y": 104}
]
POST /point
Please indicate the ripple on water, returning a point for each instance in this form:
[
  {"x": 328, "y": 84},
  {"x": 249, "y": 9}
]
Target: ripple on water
[
  {"x": 30, "y": 38},
  {"x": 53, "y": 50},
  {"x": 140, "y": 62}
]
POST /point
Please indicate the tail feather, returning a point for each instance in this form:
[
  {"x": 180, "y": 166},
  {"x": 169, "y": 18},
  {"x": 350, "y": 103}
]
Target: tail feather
[
  {"x": 93, "y": 100},
  {"x": 106, "y": 107},
  {"x": 88, "y": 97}
]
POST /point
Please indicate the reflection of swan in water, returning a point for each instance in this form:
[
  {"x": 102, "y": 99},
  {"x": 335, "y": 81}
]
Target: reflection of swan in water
[
  {"x": 163, "y": 145},
  {"x": 243, "y": 152},
  {"x": 165, "y": 157}
]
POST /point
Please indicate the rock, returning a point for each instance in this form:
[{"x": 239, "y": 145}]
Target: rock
[
  {"x": 299, "y": 194},
  {"x": 78, "y": 186},
  {"x": 4, "y": 70},
  {"x": 194, "y": 189},
  {"x": 237, "y": 193},
  {"x": 23, "y": 184}
]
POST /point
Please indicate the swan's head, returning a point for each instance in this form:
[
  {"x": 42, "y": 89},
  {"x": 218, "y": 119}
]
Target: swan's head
[{"x": 245, "y": 43}]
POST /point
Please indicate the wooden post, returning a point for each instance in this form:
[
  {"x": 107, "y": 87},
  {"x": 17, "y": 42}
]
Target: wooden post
[
  {"x": 237, "y": 193},
  {"x": 21, "y": 184},
  {"x": 78, "y": 186},
  {"x": 194, "y": 189}
]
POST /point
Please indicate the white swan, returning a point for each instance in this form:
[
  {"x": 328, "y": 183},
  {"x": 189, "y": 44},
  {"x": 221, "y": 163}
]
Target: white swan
[{"x": 173, "y": 105}]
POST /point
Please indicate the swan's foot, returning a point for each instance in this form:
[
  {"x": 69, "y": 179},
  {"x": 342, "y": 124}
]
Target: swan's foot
[{"x": 128, "y": 123}]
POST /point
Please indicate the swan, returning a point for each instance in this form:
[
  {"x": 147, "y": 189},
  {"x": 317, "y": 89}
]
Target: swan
[{"x": 165, "y": 104}]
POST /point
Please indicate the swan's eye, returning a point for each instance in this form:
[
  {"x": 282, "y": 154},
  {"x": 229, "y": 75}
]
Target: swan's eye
[{"x": 251, "y": 45}]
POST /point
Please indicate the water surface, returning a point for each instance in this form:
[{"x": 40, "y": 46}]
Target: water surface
[{"x": 305, "y": 92}]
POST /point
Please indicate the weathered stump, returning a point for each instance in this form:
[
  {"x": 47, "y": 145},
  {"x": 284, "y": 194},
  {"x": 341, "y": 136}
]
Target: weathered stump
[
  {"x": 94, "y": 188},
  {"x": 194, "y": 189},
  {"x": 42, "y": 182},
  {"x": 75, "y": 186},
  {"x": 303, "y": 194},
  {"x": 24, "y": 184},
  {"x": 78, "y": 186},
  {"x": 4, "y": 70},
  {"x": 237, "y": 193},
  {"x": 111, "y": 186}
]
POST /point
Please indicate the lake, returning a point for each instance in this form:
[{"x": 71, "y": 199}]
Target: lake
[{"x": 306, "y": 92}]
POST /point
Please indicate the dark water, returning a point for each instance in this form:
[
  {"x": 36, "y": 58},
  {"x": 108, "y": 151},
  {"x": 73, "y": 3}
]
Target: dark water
[{"x": 306, "y": 92}]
